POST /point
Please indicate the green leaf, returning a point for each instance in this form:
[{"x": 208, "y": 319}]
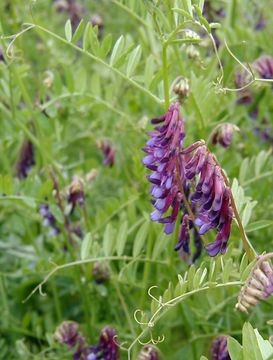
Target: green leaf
[
  {"x": 68, "y": 30},
  {"x": 247, "y": 212},
  {"x": 140, "y": 238},
  {"x": 235, "y": 349},
  {"x": 94, "y": 42},
  {"x": 57, "y": 213},
  {"x": 85, "y": 40},
  {"x": 106, "y": 45},
  {"x": 201, "y": 5},
  {"x": 149, "y": 71},
  {"x": 121, "y": 237},
  {"x": 86, "y": 246},
  {"x": 251, "y": 348},
  {"x": 264, "y": 346},
  {"x": 257, "y": 225},
  {"x": 108, "y": 240},
  {"x": 78, "y": 32},
  {"x": 117, "y": 50},
  {"x": 183, "y": 13},
  {"x": 133, "y": 61},
  {"x": 187, "y": 6}
]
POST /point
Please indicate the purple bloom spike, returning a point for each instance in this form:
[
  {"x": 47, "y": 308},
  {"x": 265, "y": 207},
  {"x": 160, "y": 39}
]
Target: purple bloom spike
[
  {"x": 219, "y": 349},
  {"x": 223, "y": 134},
  {"x": 26, "y": 160},
  {"x": 149, "y": 352},
  {"x": 163, "y": 157}
]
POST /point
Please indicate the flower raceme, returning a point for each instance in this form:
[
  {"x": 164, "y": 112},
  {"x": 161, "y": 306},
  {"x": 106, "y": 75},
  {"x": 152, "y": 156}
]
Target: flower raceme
[{"x": 188, "y": 180}]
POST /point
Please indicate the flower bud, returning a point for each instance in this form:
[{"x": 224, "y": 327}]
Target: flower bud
[
  {"x": 223, "y": 134},
  {"x": 192, "y": 52},
  {"x": 76, "y": 193},
  {"x": 108, "y": 151},
  {"x": 25, "y": 160},
  {"x": 91, "y": 176},
  {"x": 48, "y": 80},
  {"x": 101, "y": 272},
  {"x": 67, "y": 333},
  {"x": 182, "y": 89},
  {"x": 148, "y": 352}
]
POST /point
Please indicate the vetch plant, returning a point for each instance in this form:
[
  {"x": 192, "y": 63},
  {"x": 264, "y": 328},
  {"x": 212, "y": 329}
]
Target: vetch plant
[{"x": 67, "y": 92}]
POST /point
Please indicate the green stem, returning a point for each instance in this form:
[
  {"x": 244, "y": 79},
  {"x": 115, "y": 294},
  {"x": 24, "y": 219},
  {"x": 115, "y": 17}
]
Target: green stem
[
  {"x": 99, "y": 61},
  {"x": 147, "y": 269},
  {"x": 165, "y": 75},
  {"x": 163, "y": 309}
]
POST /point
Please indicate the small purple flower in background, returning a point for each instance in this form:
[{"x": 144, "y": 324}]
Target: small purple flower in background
[
  {"x": 219, "y": 349},
  {"x": 97, "y": 20},
  {"x": 223, "y": 134},
  {"x": 108, "y": 151},
  {"x": 101, "y": 272},
  {"x": 76, "y": 193},
  {"x": 148, "y": 352},
  {"x": 264, "y": 66},
  {"x": 2, "y": 58},
  {"x": 261, "y": 23},
  {"x": 25, "y": 160},
  {"x": 75, "y": 10},
  {"x": 68, "y": 334},
  {"x": 49, "y": 220},
  {"x": 107, "y": 349}
]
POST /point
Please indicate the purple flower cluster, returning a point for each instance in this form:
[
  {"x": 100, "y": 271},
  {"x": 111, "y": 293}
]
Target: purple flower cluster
[
  {"x": 175, "y": 172},
  {"x": 107, "y": 349},
  {"x": 163, "y": 158},
  {"x": 212, "y": 197},
  {"x": 49, "y": 220},
  {"x": 219, "y": 349},
  {"x": 108, "y": 151},
  {"x": 68, "y": 334},
  {"x": 25, "y": 160}
]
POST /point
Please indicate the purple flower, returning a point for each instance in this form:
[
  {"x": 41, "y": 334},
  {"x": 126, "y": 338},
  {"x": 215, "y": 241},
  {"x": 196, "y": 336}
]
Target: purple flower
[
  {"x": 175, "y": 171},
  {"x": 264, "y": 66},
  {"x": 107, "y": 349},
  {"x": 49, "y": 220},
  {"x": 219, "y": 349},
  {"x": 108, "y": 151},
  {"x": 148, "y": 352},
  {"x": 242, "y": 78},
  {"x": 75, "y": 10},
  {"x": 76, "y": 193},
  {"x": 164, "y": 159},
  {"x": 25, "y": 160},
  {"x": 261, "y": 23},
  {"x": 223, "y": 134}
]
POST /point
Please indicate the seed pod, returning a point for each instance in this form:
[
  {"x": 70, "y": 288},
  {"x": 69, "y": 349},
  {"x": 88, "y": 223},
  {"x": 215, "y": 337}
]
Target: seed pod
[{"x": 259, "y": 285}]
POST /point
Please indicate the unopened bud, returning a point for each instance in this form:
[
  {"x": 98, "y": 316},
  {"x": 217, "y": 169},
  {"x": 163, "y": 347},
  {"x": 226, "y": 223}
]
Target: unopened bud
[
  {"x": 91, "y": 176},
  {"x": 76, "y": 192},
  {"x": 101, "y": 272},
  {"x": 182, "y": 89},
  {"x": 192, "y": 52},
  {"x": 223, "y": 134}
]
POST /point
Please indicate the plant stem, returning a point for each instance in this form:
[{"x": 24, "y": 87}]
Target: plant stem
[
  {"x": 250, "y": 252},
  {"x": 165, "y": 75},
  {"x": 147, "y": 268},
  {"x": 100, "y": 61}
]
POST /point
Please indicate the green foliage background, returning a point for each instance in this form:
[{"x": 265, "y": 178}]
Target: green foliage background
[{"x": 88, "y": 101}]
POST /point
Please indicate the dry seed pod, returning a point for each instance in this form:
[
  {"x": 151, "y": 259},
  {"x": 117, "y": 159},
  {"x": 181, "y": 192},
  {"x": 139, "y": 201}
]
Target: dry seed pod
[{"x": 259, "y": 285}]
